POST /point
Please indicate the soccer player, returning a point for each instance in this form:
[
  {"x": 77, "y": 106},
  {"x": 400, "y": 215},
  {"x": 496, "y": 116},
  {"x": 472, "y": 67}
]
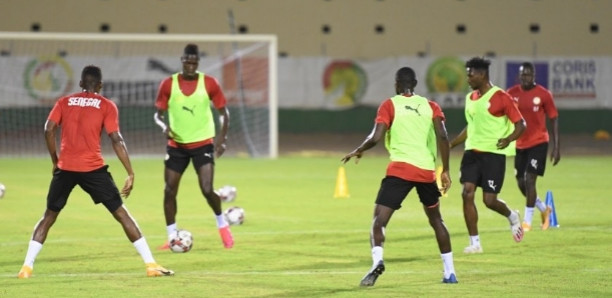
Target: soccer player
[
  {"x": 81, "y": 117},
  {"x": 187, "y": 97},
  {"x": 535, "y": 104},
  {"x": 493, "y": 124},
  {"x": 415, "y": 131}
]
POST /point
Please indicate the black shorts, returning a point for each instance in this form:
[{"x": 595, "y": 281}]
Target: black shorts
[
  {"x": 486, "y": 170},
  {"x": 177, "y": 159},
  {"x": 98, "y": 184},
  {"x": 394, "y": 190},
  {"x": 532, "y": 160}
]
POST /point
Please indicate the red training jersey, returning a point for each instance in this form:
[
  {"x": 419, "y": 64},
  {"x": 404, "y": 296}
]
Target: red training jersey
[
  {"x": 81, "y": 117},
  {"x": 501, "y": 104},
  {"x": 188, "y": 87},
  {"x": 406, "y": 171},
  {"x": 535, "y": 105}
]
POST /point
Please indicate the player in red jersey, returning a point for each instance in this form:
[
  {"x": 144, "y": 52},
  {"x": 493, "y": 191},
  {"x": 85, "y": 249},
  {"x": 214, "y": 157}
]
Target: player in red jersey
[
  {"x": 415, "y": 132},
  {"x": 187, "y": 97},
  {"x": 535, "y": 104},
  {"x": 82, "y": 116}
]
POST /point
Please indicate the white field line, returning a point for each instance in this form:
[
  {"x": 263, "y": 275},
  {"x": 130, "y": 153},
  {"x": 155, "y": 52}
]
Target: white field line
[
  {"x": 236, "y": 231},
  {"x": 200, "y": 273}
]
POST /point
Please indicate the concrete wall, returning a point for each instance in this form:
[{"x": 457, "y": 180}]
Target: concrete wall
[{"x": 410, "y": 26}]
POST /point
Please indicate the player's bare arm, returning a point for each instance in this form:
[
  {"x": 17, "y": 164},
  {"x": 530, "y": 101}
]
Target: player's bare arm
[
  {"x": 370, "y": 141},
  {"x": 459, "y": 139},
  {"x": 444, "y": 149},
  {"x": 224, "y": 119},
  {"x": 519, "y": 128},
  {"x": 122, "y": 154},
  {"x": 50, "y": 130},
  {"x": 159, "y": 120},
  {"x": 555, "y": 154}
]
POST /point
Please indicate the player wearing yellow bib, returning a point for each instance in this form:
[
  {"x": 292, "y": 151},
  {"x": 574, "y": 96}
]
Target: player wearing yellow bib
[
  {"x": 187, "y": 98},
  {"x": 493, "y": 124},
  {"x": 415, "y": 131}
]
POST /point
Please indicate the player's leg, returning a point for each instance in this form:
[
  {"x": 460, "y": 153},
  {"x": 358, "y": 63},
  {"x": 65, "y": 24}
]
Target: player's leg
[
  {"x": 100, "y": 186},
  {"x": 205, "y": 180},
  {"x": 535, "y": 167},
  {"x": 172, "y": 179},
  {"x": 175, "y": 164},
  {"x": 381, "y": 217},
  {"x": 61, "y": 186},
  {"x": 204, "y": 164},
  {"x": 392, "y": 192},
  {"x": 493, "y": 172},
  {"x": 521, "y": 161},
  {"x": 130, "y": 227},
  {"x": 430, "y": 198},
  {"x": 470, "y": 175}
]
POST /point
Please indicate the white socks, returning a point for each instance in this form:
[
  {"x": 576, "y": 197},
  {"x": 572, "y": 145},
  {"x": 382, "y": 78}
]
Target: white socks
[
  {"x": 528, "y": 215},
  {"x": 447, "y": 261},
  {"x": 221, "y": 221},
  {"x": 541, "y": 206},
  {"x": 377, "y": 255},
  {"x": 514, "y": 218},
  {"x": 33, "y": 249},
  {"x": 143, "y": 249},
  {"x": 170, "y": 230},
  {"x": 475, "y": 241}
]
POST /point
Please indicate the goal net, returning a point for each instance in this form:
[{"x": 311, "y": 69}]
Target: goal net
[{"x": 38, "y": 68}]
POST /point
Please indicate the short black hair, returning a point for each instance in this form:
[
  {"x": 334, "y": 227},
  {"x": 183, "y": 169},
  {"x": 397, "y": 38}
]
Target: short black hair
[
  {"x": 527, "y": 65},
  {"x": 478, "y": 63},
  {"x": 405, "y": 75},
  {"x": 191, "y": 49},
  {"x": 91, "y": 73},
  {"x": 405, "y": 79}
]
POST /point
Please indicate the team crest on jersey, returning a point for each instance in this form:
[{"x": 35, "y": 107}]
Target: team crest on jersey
[
  {"x": 47, "y": 78},
  {"x": 536, "y": 104},
  {"x": 536, "y": 100}
]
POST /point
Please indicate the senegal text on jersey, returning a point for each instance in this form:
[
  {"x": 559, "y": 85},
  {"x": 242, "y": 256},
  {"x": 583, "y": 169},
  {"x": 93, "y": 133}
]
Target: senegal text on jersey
[{"x": 84, "y": 102}]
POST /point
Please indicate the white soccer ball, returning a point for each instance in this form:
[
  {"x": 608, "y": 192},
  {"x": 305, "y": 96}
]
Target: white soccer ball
[
  {"x": 227, "y": 193},
  {"x": 234, "y": 215},
  {"x": 2, "y": 190},
  {"x": 181, "y": 241}
]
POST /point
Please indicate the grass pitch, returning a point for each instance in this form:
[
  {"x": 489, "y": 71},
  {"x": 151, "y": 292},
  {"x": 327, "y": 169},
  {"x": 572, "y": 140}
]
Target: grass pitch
[{"x": 298, "y": 241}]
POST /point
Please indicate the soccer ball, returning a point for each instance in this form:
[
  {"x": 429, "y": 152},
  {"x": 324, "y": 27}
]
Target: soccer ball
[
  {"x": 227, "y": 193},
  {"x": 234, "y": 215},
  {"x": 181, "y": 241},
  {"x": 2, "y": 190}
]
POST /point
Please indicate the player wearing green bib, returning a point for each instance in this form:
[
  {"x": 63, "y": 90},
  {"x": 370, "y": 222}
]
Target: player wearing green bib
[
  {"x": 415, "y": 131},
  {"x": 188, "y": 97},
  {"x": 493, "y": 125}
]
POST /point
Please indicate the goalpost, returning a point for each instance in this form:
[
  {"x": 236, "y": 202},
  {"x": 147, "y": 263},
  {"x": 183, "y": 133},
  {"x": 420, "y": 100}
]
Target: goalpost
[{"x": 38, "y": 68}]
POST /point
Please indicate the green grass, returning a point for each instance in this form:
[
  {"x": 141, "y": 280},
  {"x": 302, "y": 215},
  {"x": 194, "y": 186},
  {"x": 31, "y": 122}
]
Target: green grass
[{"x": 298, "y": 241}]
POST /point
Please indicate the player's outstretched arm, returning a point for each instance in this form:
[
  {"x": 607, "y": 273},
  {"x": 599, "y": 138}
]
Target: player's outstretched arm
[
  {"x": 444, "y": 149},
  {"x": 122, "y": 154},
  {"x": 370, "y": 141}
]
